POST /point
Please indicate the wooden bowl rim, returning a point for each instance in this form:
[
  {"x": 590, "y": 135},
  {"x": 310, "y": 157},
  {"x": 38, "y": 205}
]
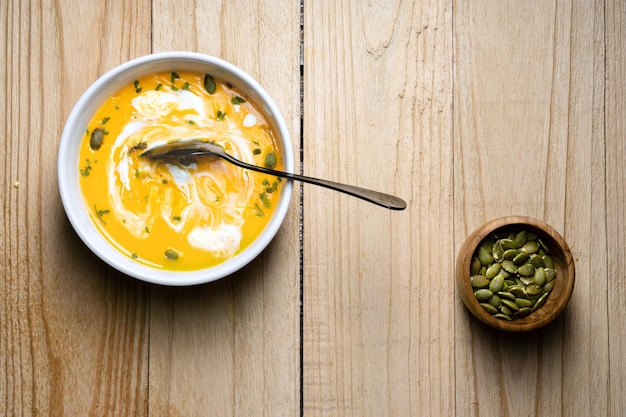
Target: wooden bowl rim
[{"x": 565, "y": 259}]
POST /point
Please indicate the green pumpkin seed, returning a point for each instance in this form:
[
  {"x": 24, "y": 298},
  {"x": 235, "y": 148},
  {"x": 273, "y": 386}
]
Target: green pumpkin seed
[
  {"x": 493, "y": 270},
  {"x": 507, "y": 244},
  {"x": 548, "y": 286},
  {"x": 503, "y": 317},
  {"x": 209, "y": 84},
  {"x": 534, "y": 289},
  {"x": 521, "y": 258},
  {"x": 479, "y": 281},
  {"x": 536, "y": 260},
  {"x": 548, "y": 262},
  {"x": 497, "y": 252},
  {"x": 550, "y": 274},
  {"x": 510, "y": 254},
  {"x": 171, "y": 254},
  {"x": 540, "y": 276},
  {"x": 496, "y": 283},
  {"x": 522, "y": 302},
  {"x": 543, "y": 245},
  {"x": 495, "y": 301},
  {"x": 541, "y": 301},
  {"x": 509, "y": 266},
  {"x": 97, "y": 137},
  {"x": 490, "y": 309},
  {"x": 475, "y": 266},
  {"x": 530, "y": 247},
  {"x": 483, "y": 295},
  {"x": 506, "y": 310},
  {"x": 506, "y": 295},
  {"x": 510, "y": 304},
  {"x": 484, "y": 256},
  {"x": 518, "y": 291},
  {"x": 526, "y": 270},
  {"x": 521, "y": 238},
  {"x": 523, "y": 312}
]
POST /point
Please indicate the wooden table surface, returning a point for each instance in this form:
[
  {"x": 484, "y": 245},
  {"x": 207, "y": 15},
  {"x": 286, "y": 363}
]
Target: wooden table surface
[{"x": 468, "y": 110}]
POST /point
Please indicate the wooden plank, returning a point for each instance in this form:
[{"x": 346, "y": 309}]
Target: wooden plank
[
  {"x": 73, "y": 333},
  {"x": 232, "y": 347},
  {"x": 529, "y": 140},
  {"x": 378, "y": 287},
  {"x": 615, "y": 254}
]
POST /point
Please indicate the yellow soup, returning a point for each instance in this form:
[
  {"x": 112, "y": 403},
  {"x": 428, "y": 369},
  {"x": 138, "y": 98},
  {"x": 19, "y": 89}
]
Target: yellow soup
[{"x": 184, "y": 214}]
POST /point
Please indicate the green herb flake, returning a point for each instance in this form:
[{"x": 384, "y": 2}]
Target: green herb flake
[
  {"x": 220, "y": 115},
  {"x": 266, "y": 201},
  {"x": 158, "y": 87},
  {"x": 191, "y": 122},
  {"x": 136, "y": 85},
  {"x": 174, "y": 77},
  {"x": 174, "y": 88},
  {"x": 137, "y": 173},
  {"x": 147, "y": 229},
  {"x": 237, "y": 100},
  {"x": 185, "y": 86},
  {"x": 256, "y": 151},
  {"x": 117, "y": 107},
  {"x": 270, "y": 160},
  {"x": 100, "y": 213},
  {"x": 134, "y": 255},
  {"x": 176, "y": 218},
  {"x": 105, "y": 120},
  {"x": 164, "y": 182},
  {"x": 259, "y": 212}
]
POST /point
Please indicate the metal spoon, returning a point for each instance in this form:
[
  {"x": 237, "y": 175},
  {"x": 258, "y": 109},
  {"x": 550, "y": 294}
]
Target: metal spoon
[{"x": 194, "y": 147}]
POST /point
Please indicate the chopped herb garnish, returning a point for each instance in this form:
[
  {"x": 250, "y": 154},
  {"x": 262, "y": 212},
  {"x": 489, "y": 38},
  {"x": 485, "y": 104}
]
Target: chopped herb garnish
[
  {"x": 174, "y": 88},
  {"x": 256, "y": 151},
  {"x": 220, "y": 115},
  {"x": 259, "y": 212},
  {"x": 117, "y": 107},
  {"x": 104, "y": 131},
  {"x": 134, "y": 255},
  {"x": 137, "y": 173},
  {"x": 84, "y": 172},
  {"x": 158, "y": 87},
  {"x": 100, "y": 213},
  {"x": 147, "y": 229},
  {"x": 164, "y": 181},
  {"x": 176, "y": 218},
  {"x": 137, "y": 88},
  {"x": 266, "y": 201},
  {"x": 191, "y": 122},
  {"x": 237, "y": 100},
  {"x": 174, "y": 77},
  {"x": 105, "y": 120},
  {"x": 185, "y": 86}
]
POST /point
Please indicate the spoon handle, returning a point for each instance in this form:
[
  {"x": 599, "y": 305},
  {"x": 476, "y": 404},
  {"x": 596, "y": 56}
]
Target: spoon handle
[{"x": 381, "y": 199}]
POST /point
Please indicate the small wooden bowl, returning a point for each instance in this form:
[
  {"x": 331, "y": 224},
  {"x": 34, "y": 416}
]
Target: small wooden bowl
[{"x": 559, "y": 252}]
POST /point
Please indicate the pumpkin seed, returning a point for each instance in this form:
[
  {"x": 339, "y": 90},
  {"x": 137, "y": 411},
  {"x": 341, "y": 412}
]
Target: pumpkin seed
[
  {"x": 530, "y": 247},
  {"x": 495, "y": 301},
  {"x": 541, "y": 301},
  {"x": 533, "y": 289},
  {"x": 536, "y": 260},
  {"x": 550, "y": 274},
  {"x": 475, "y": 266},
  {"x": 510, "y": 304},
  {"x": 209, "y": 84},
  {"x": 483, "y": 295},
  {"x": 490, "y": 309},
  {"x": 497, "y": 252},
  {"x": 508, "y": 244},
  {"x": 484, "y": 256},
  {"x": 521, "y": 238},
  {"x": 518, "y": 291},
  {"x": 97, "y": 137},
  {"x": 171, "y": 254},
  {"x": 543, "y": 245},
  {"x": 510, "y": 254},
  {"x": 493, "y": 270},
  {"x": 523, "y": 312},
  {"x": 526, "y": 270},
  {"x": 548, "y": 262},
  {"x": 521, "y": 258},
  {"x": 548, "y": 286},
  {"x": 509, "y": 266},
  {"x": 522, "y": 302},
  {"x": 506, "y": 310},
  {"x": 506, "y": 295},
  {"x": 503, "y": 317},
  {"x": 479, "y": 281},
  {"x": 540, "y": 276},
  {"x": 496, "y": 284}
]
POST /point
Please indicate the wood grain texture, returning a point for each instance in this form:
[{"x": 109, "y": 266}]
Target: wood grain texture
[
  {"x": 378, "y": 288},
  {"x": 232, "y": 347},
  {"x": 529, "y": 139}
]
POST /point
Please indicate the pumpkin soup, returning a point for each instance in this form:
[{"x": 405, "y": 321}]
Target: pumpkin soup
[{"x": 178, "y": 214}]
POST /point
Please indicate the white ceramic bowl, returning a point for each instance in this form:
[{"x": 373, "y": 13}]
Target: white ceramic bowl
[{"x": 81, "y": 115}]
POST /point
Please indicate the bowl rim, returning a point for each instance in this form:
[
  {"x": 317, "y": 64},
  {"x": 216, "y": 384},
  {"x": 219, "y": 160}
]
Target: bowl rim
[
  {"x": 464, "y": 258},
  {"x": 92, "y": 99}
]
